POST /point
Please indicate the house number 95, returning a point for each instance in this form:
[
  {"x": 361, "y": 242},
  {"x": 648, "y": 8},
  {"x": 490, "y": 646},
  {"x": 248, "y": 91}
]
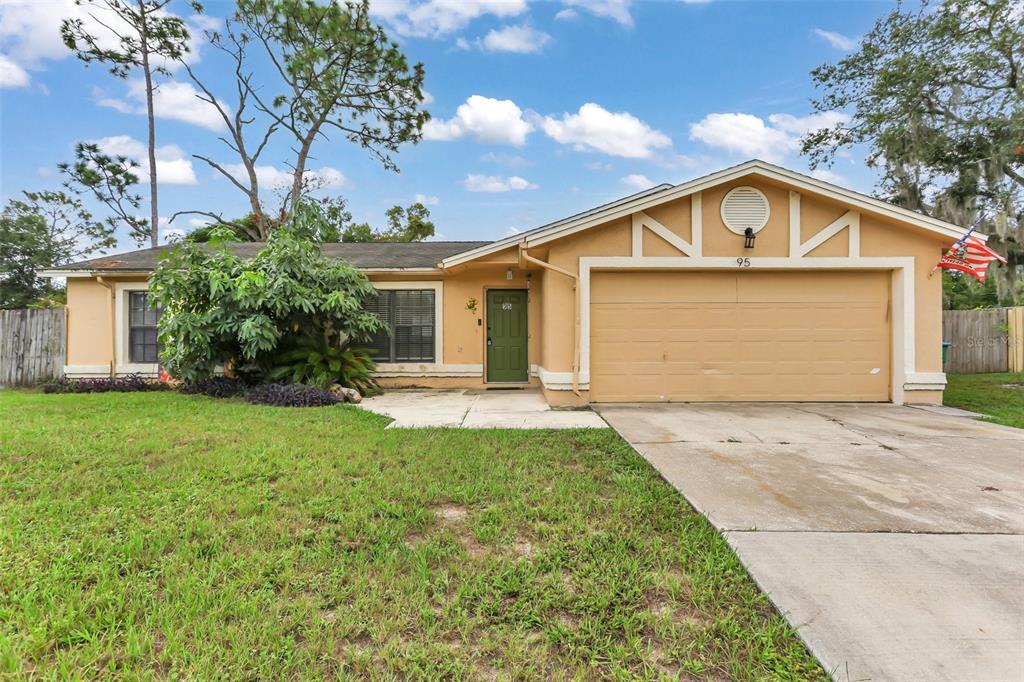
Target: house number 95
[
  {"x": 506, "y": 306},
  {"x": 743, "y": 262}
]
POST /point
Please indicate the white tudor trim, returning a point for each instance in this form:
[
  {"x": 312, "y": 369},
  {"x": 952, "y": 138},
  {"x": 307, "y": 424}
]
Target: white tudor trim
[
  {"x": 849, "y": 220},
  {"x": 121, "y": 363},
  {"x": 630, "y": 205},
  {"x": 438, "y": 287},
  {"x": 902, "y": 268},
  {"x": 642, "y": 220}
]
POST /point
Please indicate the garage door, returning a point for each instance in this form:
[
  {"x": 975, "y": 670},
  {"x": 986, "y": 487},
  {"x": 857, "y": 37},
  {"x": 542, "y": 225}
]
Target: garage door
[{"x": 693, "y": 336}]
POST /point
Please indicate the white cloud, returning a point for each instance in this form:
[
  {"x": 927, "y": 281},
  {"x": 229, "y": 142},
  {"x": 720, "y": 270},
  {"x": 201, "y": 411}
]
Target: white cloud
[
  {"x": 599, "y": 166},
  {"x": 496, "y": 183},
  {"x": 801, "y": 125},
  {"x": 511, "y": 232},
  {"x": 426, "y": 200},
  {"x": 616, "y": 10},
  {"x": 751, "y": 136},
  {"x": 271, "y": 177},
  {"x": 507, "y": 160},
  {"x": 30, "y": 33},
  {"x": 440, "y": 18},
  {"x": 616, "y": 134},
  {"x": 196, "y": 223},
  {"x": 567, "y": 14},
  {"x": 172, "y": 166},
  {"x": 519, "y": 39},
  {"x": 427, "y": 97},
  {"x": 637, "y": 181},
  {"x": 837, "y": 40},
  {"x": 173, "y": 100},
  {"x": 12, "y": 75},
  {"x": 496, "y": 121},
  {"x": 830, "y": 176}
]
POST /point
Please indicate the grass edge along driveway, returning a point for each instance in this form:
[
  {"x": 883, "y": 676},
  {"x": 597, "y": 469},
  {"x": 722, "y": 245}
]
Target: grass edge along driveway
[
  {"x": 999, "y": 396},
  {"x": 159, "y": 535}
]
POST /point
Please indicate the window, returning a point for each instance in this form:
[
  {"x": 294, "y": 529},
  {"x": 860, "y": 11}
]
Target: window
[
  {"x": 409, "y": 318},
  {"x": 143, "y": 347}
]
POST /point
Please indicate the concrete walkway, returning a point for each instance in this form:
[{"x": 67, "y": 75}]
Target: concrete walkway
[
  {"x": 478, "y": 409},
  {"x": 891, "y": 537}
]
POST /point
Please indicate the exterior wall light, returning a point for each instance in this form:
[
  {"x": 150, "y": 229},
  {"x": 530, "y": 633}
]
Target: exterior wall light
[{"x": 748, "y": 238}]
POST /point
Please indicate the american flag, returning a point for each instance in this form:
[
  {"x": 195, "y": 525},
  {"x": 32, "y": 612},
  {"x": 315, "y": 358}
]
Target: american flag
[{"x": 970, "y": 255}]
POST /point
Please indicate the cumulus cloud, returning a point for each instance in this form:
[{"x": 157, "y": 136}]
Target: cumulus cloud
[
  {"x": 567, "y": 14},
  {"x": 617, "y": 134},
  {"x": 172, "y": 166},
  {"x": 837, "y": 40},
  {"x": 637, "y": 181},
  {"x": 496, "y": 183},
  {"x": 31, "y": 33},
  {"x": 272, "y": 177},
  {"x": 830, "y": 176},
  {"x": 518, "y": 39},
  {"x": 752, "y": 136},
  {"x": 495, "y": 121},
  {"x": 426, "y": 200},
  {"x": 173, "y": 100},
  {"x": 12, "y": 75},
  {"x": 616, "y": 10},
  {"x": 507, "y": 160},
  {"x": 441, "y": 18}
]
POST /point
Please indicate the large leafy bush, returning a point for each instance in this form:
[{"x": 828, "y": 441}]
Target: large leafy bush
[{"x": 255, "y": 315}]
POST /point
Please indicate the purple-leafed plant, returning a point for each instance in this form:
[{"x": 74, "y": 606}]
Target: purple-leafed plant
[{"x": 215, "y": 387}]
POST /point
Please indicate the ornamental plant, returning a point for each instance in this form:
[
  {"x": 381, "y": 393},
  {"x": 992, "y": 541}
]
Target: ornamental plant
[{"x": 223, "y": 310}]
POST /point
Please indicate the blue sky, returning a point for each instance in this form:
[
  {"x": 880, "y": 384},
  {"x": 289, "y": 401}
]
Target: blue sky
[{"x": 540, "y": 109}]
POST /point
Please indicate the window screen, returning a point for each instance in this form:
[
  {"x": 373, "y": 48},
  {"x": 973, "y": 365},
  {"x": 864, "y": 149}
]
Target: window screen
[
  {"x": 142, "y": 336},
  {"x": 409, "y": 316}
]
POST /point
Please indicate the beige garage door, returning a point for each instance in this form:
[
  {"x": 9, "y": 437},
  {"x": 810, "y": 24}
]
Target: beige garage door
[{"x": 658, "y": 336}]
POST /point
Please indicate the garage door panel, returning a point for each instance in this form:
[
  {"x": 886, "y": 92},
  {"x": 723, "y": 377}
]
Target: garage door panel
[{"x": 747, "y": 336}]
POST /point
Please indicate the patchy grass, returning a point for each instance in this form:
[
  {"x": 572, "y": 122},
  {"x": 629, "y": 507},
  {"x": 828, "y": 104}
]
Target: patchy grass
[
  {"x": 1000, "y": 396},
  {"x": 171, "y": 536}
]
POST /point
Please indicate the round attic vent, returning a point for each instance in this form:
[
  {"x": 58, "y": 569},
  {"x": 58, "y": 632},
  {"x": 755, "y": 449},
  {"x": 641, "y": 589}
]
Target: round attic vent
[{"x": 745, "y": 207}]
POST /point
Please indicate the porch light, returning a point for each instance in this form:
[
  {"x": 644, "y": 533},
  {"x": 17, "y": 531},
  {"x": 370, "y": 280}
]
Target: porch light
[
  {"x": 508, "y": 274},
  {"x": 748, "y": 238}
]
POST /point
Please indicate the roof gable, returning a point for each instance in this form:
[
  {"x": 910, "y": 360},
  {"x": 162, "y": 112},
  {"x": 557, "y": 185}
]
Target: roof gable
[{"x": 665, "y": 193}]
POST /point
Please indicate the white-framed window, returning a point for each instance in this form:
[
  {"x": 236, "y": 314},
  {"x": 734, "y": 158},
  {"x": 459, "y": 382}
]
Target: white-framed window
[
  {"x": 412, "y": 312},
  {"x": 136, "y": 349}
]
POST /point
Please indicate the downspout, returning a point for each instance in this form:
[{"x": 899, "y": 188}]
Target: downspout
[
  {"x": 113, "y": 331},
  {"x": 525, "y": 257}
]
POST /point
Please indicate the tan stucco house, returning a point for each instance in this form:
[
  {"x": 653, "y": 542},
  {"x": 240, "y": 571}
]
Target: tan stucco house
[{"x": 752, "y": 283}]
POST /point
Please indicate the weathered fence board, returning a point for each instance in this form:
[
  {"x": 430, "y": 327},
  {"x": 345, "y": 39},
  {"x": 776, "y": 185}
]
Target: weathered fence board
[
  {"x": 1015, "y": 339},
  {"x": 981, "y": 340},
  {"x": 32, "y": 345}
]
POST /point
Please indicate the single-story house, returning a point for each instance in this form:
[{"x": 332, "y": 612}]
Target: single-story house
[{"x": 753, "y": 283}]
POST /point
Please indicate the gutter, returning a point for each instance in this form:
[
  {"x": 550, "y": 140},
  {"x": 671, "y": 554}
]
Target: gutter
[
  {"x": 113, "y": 331},
  {"x": 524, "y": 257}
]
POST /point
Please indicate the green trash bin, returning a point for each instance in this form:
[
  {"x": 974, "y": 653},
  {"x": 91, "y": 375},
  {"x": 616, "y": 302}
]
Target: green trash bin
[{"x": 945, "y": 351}]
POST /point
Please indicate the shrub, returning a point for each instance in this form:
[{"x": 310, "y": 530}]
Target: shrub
[
  {"x": 290, "y": 395},
  {"x": 316, "y": 362},
  {"x": 127, "y": 383},
  {"x": 215, "y": 387},
  {"x": 218, "y": 307}
]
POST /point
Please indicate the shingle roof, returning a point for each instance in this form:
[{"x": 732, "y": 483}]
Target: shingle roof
[{"x": 370, "y": 255}]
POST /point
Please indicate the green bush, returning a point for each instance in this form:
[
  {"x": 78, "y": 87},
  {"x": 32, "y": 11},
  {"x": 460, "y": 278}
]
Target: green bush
[{"x": 256, "y": 315}]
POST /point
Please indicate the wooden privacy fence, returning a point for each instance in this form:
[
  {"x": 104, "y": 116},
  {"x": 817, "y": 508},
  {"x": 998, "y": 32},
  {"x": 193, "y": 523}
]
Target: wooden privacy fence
[
  {"x": 989, "y": 340},
  {"x": 32, "y": 345}
]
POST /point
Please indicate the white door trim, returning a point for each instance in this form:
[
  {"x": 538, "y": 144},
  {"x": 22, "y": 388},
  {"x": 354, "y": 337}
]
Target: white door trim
[{"x": 902, "y": 292}]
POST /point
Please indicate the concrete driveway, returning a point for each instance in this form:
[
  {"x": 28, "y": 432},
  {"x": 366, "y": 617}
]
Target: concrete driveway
[{"x": 891, "y": 537}]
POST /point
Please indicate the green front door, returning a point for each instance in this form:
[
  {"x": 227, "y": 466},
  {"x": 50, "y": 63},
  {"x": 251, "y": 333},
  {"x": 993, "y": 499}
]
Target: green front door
[{"x": 506, "y": 336}]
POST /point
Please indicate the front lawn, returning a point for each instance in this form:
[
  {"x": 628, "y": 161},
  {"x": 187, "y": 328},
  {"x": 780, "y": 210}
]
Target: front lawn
[
  {"x": 160, "y": 535},
  {"x": 1000, "y": 396}
]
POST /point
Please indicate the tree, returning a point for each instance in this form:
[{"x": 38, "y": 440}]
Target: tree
[
  {"x": 333, "y": 71},
  {"x": 218, "y": 307},
  {"x": 111, "y": 181},
  {"x": 410, "y": 224},
  {"x": 937, "y": 95},
  {"x": 42, "y": 230},
  {"x": 146, "y": 36}
]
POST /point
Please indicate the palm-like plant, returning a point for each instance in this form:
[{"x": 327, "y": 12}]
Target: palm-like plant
[{"x": 323, "y": 359}]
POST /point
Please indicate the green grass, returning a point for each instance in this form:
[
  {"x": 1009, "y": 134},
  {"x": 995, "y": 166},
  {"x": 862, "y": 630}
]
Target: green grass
[
  {"x": 169, "y": 536},
  {"x": 1000, "y": 396}
]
